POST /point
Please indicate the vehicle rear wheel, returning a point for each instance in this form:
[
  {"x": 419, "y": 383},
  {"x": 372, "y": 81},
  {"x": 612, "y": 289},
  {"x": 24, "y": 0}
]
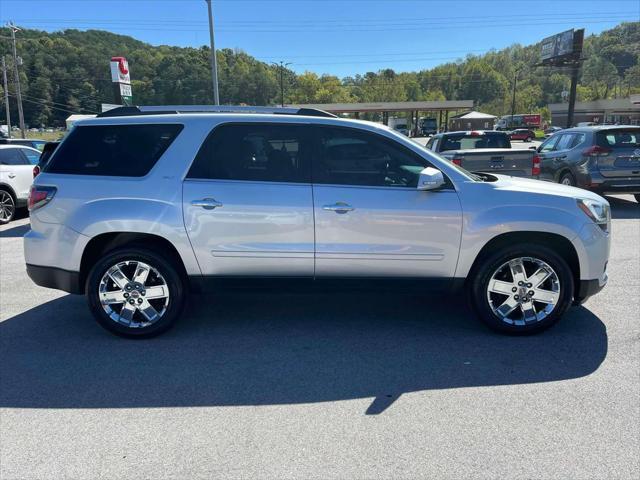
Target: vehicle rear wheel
[
  {"x": 522, "y": 289},
  {"x": 135, "y": 293},
  {"x": 567, "y": 179},
  {"x": 7, "y": 207}
]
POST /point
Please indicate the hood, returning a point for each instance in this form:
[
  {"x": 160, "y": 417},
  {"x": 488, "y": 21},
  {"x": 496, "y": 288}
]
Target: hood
[{"x": 528, "y": 185}]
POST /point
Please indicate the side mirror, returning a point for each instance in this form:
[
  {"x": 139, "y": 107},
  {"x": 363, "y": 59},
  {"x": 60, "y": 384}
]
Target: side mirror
[{"x": 430, "y": 179}]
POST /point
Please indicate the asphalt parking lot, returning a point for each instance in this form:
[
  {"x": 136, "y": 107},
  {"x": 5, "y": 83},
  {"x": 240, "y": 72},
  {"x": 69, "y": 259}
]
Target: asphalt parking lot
[{"x": 321, "y": 386}]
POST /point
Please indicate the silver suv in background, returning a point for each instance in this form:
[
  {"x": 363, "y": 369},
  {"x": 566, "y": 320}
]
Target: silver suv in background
[
  {"x": 142, "y": 205},
  {"x": 604, "y": 159}
]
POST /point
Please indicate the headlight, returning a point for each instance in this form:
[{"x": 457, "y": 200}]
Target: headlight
[{"x": 597, "y": 211}]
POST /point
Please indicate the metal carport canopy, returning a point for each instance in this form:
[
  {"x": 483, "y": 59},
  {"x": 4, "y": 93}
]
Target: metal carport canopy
[{"x": 442, "y": 105}]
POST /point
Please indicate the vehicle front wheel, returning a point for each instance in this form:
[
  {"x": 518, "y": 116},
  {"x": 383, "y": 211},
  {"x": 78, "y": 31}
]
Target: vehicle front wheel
[
  {"x": 135, "y": 293},
  {"x": 7, "y": 207},
  {"x": 522, "y": 289}
]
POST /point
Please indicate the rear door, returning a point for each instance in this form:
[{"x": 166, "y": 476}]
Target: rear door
[
  {"x": 16, "y": 170},
  {"x": 247, "y": 201},
  {"x": 621, "y": 152}
]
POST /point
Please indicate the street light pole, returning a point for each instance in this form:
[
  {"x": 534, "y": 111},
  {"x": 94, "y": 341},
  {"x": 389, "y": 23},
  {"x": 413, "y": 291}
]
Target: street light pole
[
  {"x": 214, "y": 65},
  {"x": 14, "y": 29},
  {"x": 282, "y": 66}
]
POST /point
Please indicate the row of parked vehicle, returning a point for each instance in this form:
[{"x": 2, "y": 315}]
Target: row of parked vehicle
[{"x": 603, "y": 159}]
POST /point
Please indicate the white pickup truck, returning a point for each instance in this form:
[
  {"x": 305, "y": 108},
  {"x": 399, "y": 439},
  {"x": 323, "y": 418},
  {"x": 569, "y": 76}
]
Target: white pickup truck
[{"x": 486, "y": 151}]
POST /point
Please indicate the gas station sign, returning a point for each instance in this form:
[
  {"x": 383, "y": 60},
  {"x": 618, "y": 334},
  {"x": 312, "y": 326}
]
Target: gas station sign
[{"x": 121, "y": 79}]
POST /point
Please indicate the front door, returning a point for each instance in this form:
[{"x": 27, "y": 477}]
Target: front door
[
  {"x": 371, "y": 221},
  {"x": 247, "y": 202}
]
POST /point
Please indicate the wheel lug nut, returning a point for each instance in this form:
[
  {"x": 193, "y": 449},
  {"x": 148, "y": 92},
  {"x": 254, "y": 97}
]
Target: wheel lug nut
[
  {"x": 126, "y": 295},
  {"x": 529, "y": 285},
  {"x": 531, "y": 293},
  {"x": 139, "y": 300},
  {"x": 520, "y": 283},
  {"x": 517, "y": 297},
  {"x": 143, "y": 293},
  {"x": 514, "y": 289},
  {"x": 132, "y": 301}
]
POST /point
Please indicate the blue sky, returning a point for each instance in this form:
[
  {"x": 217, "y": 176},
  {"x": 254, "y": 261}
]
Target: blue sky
[{"x": 342, "y": 37}]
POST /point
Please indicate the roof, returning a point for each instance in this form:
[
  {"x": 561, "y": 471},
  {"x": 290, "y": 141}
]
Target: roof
[
  {"x": 475, "y": 115},
  {"x": 390, "y": 106},
  {"x": 625, "y": 104},
  {"x": 77, "y": 116}
]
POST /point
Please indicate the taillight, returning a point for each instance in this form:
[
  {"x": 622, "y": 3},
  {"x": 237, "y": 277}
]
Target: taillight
[
  {"x": 457, "y": 161},
  {"x": 595, "y": 151},
  {"x": 36, "y": 171},
  {"x": 535, "y": 165},
  {"x": 40, "y": 196}
]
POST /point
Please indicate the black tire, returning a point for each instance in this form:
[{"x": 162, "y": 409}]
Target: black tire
[
  {"x": 483, "y": 273},
  {"x": 170, "y": 275},
  {"x": 7, "y": 207},
  {"x": 567, "y": 179}
]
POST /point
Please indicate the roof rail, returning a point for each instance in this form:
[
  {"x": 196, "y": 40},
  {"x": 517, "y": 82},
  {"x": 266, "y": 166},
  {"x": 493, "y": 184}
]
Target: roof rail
[{"x": 173, "y": 109}]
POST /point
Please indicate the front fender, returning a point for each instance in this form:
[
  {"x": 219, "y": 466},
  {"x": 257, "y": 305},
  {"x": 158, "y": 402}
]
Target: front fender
[{"x": 479, "y": 228}]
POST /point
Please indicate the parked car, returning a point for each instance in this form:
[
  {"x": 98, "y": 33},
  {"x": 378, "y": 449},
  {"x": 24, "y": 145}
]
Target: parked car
[
  {"x": 137, "y": 210},
  {"x": 16, "y": 167},
  {"x": 550, "y": 131},
  {"x": 485, "y": 151},
  {"x": 604, "y": 159},
  {"x": 522, "y": 134},
  {"x": 37, "y": 144}
]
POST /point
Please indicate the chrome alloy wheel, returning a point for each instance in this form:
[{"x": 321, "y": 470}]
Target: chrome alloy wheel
[
  {"x": 7, "y": 207},
  {"x": 133, "y": 294},
  {"x": 523, "y": 290},
  {"x": 566, "y": 181}
]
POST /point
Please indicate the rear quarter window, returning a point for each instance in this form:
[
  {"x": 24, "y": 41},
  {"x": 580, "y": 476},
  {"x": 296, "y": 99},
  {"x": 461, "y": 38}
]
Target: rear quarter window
[{"x": 113, "y": 150}]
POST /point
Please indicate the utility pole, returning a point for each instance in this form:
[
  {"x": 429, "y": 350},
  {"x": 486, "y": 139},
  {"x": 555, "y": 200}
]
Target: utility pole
[
  {"x": 282, "y": 66},
  {"x": 14, "y": 29},
  {"x": 214, "y": 65},
  {"x": 513, "y": 100},
  {"x": 6, "y": 94}
]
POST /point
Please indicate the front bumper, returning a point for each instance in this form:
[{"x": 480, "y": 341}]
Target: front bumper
[
  {"x": 58, "y": 278},
  {"x": 588, "y": 288}
]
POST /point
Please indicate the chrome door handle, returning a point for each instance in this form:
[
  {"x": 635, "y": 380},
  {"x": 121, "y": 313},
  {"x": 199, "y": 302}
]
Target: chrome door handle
[
  {"x": 206, "y": 203},
  {"x": 339, "y": 207}
]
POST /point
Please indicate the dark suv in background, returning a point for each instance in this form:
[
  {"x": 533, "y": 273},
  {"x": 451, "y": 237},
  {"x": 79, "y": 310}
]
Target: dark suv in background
[{"x": 604, "y": 159}]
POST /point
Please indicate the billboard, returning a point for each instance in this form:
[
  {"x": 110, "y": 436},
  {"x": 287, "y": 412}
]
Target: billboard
[{"x": 562, "y": 47}]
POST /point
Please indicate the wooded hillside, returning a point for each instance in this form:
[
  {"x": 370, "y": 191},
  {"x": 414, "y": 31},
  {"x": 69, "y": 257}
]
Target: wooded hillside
[{"x": 68, "y": 71}]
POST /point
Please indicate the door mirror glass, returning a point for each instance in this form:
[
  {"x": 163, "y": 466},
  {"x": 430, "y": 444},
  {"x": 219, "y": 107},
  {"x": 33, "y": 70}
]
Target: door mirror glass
[{"x": 430, "y": 179}]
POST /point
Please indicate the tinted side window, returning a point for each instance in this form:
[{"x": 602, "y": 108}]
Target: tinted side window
[
  {"x": 32, "y": 156},
  {"x": 113, "y": 150},
  {"x": 352, "y": 157},
  {"x": 254, "y": 152},
  {"x": 565, "y": 141},
  {"x": 550, "y": 144},
  {"x": 12, "y": 156}
]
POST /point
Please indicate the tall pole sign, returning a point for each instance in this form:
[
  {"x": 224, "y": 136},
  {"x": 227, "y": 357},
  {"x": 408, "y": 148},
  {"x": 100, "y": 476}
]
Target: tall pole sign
[
  {"x": 121, "y": 80},
  {"x": 564, "y": 50}
]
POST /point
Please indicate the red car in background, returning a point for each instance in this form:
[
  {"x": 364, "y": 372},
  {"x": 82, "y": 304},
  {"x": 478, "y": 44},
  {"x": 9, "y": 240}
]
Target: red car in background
[{"x": 522, "y": 134}]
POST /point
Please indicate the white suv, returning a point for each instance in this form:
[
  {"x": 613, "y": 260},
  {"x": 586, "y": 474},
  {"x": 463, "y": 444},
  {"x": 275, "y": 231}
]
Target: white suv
[
  {"x": 16, "y": 175},
  {"x": 144, "y": 204}
]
